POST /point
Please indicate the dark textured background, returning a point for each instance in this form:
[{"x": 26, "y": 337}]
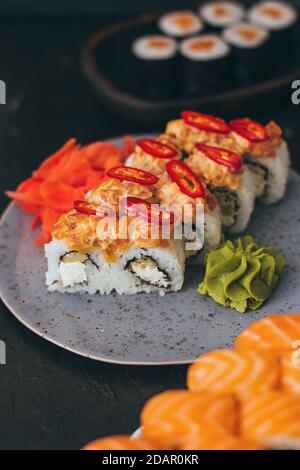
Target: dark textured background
[{"x": 50, "y": 398}]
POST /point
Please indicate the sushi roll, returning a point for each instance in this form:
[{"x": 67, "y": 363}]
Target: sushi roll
[
  {"x": 157, "y": 65},
  {"x": 280, "y": 19},
  {"x": 194, "y": 127},
  {"x": 180, "y": 24},
  {"x": 98, "y": 250},
  {"x": 199, "y": 210},
  {"x": 250, "y": 52},
  {"x": 152, "y": 155},
  {"x": 266, "y": 155},
  {"x": 206, "y": 64},
  {"x": 219, "y": 15},
  {"x": 230, "y": 181}
]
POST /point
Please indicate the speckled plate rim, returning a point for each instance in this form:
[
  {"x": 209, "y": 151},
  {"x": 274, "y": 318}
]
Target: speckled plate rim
[
  {"x": 29, "y": 326},
  {"x": 60, "y": 344}
]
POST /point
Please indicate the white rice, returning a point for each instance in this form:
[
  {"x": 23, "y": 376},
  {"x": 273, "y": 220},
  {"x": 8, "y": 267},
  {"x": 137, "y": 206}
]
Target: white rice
[
  {"x": 98, "y": 276},
  {"x": 219, "y": 49},
  {"x": 168, "y": 24},
  {"x": 143, "y": 48},
  {"x": 246, "y": 201},
  {"x": 288, "y": 15},
  {"x": 232, "y": 12},
  {"x": 278, "y": 172}
]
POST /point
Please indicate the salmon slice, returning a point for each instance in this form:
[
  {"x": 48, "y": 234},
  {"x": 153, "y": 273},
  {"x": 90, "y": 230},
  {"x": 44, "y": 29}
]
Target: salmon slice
[
  {"x": 233, "y": 371},
  {"x": 118, "y": 443},
  {"x": 227, "y": 443},
  {"x": 272, "y": 418},
  {"x": 173, "y": 418},
  {"x": 290, "y": 371},
  {"x": 275, "y": 333}
]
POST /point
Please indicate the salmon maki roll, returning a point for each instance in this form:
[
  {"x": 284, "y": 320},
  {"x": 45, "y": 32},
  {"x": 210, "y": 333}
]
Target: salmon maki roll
[
  {"x": 290, "y": 371},
  {"x": 232, "y": 371},
  {"x": 275, "y": 333},
  {"x": 273, "y": 419},
  {"x": 174, "y": 418},
  {"x": 228, "y": 443},
  {"x": 119, "y": 443}
]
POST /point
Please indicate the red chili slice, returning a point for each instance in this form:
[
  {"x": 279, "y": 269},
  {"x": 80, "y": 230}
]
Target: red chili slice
[
  {"x": 205, "y": 122},
  {"x": 185, "y": 179},
  {"x": 86, "y": 208},
  {"x": 250, "y": 130},
  {"x": 147, "y": 211},
  {"x": 157, "y": 149},
  {"x": 224, "y": 157},
  {"x": 132, "y": 174}
]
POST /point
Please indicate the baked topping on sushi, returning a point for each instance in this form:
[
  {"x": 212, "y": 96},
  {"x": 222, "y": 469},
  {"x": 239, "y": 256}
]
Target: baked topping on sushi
[
  {"x": 149, "y": 272},
  {"x": 221, "y": 14},
  {"x": 220, "y": 167},
  {"x": 111, "y": 190},
  {"x": 154, "y": 47},
  {"x": 258, "y": 140},
  {"x": 273, "y": 15},
  {"x": 206, "y": 47},
  {"x": 196, "y": 128},
  {"x": 180, "y": 23},
  {"x": 244, "y": 35},
  {"x": 153, "y": 155}
]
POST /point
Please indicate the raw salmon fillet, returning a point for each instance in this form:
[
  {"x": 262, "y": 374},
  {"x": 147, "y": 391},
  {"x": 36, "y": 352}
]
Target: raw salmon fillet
[
  {"x": 173, "y": 418},
  {"x": 273, "y": 419},
  {"x": 119, "y": 443},
  {"x": 290, "y": 371},
  {"x": 275, "y": 333},
  {"x": 233, "y": 371}
]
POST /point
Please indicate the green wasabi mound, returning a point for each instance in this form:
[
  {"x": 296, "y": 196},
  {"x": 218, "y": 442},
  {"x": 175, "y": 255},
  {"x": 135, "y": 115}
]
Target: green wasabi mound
[{"x": 240, "y": 275}]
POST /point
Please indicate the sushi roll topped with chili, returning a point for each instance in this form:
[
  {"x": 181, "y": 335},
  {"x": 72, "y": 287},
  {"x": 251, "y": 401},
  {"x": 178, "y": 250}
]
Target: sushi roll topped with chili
[
  {"x": 220, "y": 14},
  {"x": 180, "y": 24},
  {"x": 266, "y": 155},
  {"x": 152, "y": 155},
  {"x": 195, "y": 127},
  {"x": 230, "y": 181}
]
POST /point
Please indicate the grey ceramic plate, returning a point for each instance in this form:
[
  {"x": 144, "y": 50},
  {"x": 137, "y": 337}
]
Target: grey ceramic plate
[{"x": 142, "y": 329}]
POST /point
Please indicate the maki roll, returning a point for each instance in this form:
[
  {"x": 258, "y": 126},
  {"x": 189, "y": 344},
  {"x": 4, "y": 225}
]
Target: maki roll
[
  {"x": 206, "y": 64},
  {"x": 280, "y": 19},
  {"x": 250, "y": 51},
  {"x": 194, "y": 127},
  {"x": 230, "y": 181},
  {"x": 200, "y": 212},
  {"x": 180, "y": 24},
  {"x": 266, "y": 155},
  {"x": 157, "y": 65},
  {"x": 219, "y": 15},
  {"x": 98, "y": 251}
]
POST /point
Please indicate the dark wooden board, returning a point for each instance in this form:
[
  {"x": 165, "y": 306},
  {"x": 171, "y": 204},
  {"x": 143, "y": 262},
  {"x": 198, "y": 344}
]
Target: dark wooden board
[{"x": 108, "y": 64}]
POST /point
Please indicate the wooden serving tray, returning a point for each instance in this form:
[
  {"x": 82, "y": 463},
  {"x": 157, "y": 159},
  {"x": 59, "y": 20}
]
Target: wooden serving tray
[{"x": 109, "y": 66}]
